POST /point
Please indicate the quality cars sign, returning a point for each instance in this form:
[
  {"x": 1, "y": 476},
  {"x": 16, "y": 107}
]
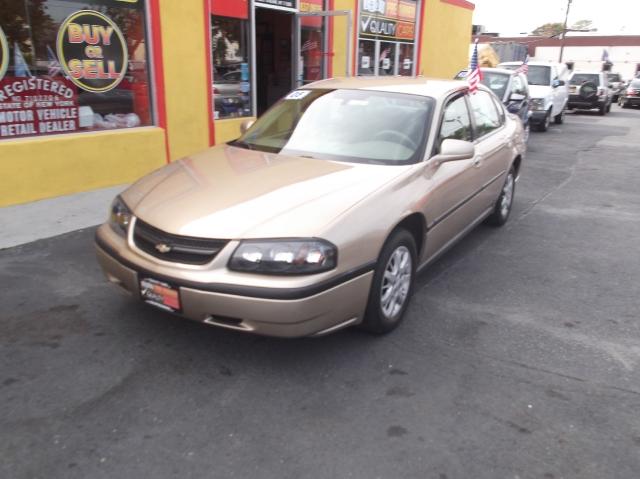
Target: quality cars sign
[
  {"x": 388, "y": 19},
  {"x": 92, "y": 51},
  {"x": 4, "y": 54}
]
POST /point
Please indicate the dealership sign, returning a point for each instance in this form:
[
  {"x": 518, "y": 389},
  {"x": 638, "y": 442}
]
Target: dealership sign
[
  {"x": 280, "y": 4},
  {"x": 92, "y": 51},
  {"x": 388, "y": 19},
  {"x": 4, "y": 54},
  {"x": 37, "y": 106}
]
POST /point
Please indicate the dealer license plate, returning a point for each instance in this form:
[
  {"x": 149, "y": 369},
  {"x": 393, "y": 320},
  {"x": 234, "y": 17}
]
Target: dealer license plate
[{"x": 160, "y": 294}]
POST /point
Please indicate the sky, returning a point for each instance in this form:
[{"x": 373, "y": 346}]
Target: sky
[{"x": 513, "y": 17}]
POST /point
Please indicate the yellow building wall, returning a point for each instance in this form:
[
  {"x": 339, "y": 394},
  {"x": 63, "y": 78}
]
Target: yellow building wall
[
  {"x": 445, "y": 39},
  {"x": 184, "y": 41},
  {"x": 48, "y": 166}
]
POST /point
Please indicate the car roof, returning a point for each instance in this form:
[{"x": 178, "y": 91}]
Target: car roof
[
  {"x": 587, "y": 72},
  {"x": 499, "y": 70},
  {"x": 432, "y": 87},
  {"x": 531, "y": 63}
]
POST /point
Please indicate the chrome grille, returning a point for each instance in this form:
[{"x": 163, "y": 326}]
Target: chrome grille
[{"x": 175, "y": 248}]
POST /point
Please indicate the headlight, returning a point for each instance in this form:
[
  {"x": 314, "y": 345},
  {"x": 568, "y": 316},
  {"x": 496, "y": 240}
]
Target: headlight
[
  {"x": 119, "y": 216},
  {"x": 537, "y": 104},
  {"x": 295, "y": 256}
]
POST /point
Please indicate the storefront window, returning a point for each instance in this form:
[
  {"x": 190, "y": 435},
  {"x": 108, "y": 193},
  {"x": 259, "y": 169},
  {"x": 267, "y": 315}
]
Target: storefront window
[
  {"x": 73, "y": 65},
  {"x": 231, "y": 80},
  {"x": 366, "y": 57},
  {"x": 387, "y": 31}
]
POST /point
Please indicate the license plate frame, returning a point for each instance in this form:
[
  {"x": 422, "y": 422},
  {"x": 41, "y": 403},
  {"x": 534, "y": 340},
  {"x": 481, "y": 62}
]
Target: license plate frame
[{"x": 160, "y": 294}]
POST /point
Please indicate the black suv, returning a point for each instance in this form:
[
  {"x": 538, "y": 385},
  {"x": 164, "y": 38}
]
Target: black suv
[
  {"x": 589, "y": 90},
  {"x": 630, "y": 96}
]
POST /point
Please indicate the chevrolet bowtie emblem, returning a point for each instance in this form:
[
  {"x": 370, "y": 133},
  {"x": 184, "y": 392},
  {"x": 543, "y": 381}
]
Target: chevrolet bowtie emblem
[{"x": 163, "y": 248}]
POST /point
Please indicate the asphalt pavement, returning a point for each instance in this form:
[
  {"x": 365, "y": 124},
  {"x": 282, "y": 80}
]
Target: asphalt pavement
[{"x": 519, "y": 356}]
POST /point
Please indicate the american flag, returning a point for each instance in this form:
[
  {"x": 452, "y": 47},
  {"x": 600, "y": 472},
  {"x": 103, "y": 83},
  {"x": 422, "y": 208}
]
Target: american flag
[
  {"x": 475, "y": 74},
  {"x": 524, "y": 68},
  {"x": 53, "y": 63},
  {"x": 309, "y": 45},
  {"x": 385, "y": 53}
]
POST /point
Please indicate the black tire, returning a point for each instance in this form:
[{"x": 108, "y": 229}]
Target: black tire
[
  {"x": 559, "y": 118},
  {"x": 602, "y": 109},
  {"x": 609, "y": 108},
  {"x": 624, "y": 104},
  {"x": 544, "y": 126},
  {"x": 500, "y": 214},
  {"x": 376, "y": 321}
]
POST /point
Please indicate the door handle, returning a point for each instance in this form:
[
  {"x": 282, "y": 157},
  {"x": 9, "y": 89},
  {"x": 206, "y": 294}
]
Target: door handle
[{"x": 477, "y": 160}]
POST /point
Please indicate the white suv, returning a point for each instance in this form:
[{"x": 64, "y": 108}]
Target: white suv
[
  {"x": 549, "y": 92},
  {"x": 589, "y": 90}
]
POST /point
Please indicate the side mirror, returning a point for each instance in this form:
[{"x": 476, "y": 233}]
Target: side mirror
[
  {"x": 454, "y": 150},
  {"x": 245, "y": 125},
  {"x": 517, "y": 97}
]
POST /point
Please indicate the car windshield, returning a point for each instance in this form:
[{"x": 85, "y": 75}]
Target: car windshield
[
  {"x": 580, "y": 78},
  {"x": 344, "y": 125},
  {"x": 497, "y": 82},
  {"x": 539, "y": 75}
]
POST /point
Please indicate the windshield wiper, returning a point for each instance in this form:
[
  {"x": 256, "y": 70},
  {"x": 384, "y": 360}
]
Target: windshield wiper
[{"x": 242, "y": 144}]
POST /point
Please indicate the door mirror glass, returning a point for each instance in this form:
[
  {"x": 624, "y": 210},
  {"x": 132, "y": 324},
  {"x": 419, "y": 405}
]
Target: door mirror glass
[
  {"x": 245, "y": 125},
  {"x": 454, "y": 150},
  {"x": 517, "y": 97}
]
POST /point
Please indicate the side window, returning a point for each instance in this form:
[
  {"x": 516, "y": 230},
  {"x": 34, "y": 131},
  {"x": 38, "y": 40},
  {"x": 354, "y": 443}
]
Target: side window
[
  {"x": 485, "y": 114},
  {"x": 456, "y": 124},
  {"x": 518, "y": 85}
]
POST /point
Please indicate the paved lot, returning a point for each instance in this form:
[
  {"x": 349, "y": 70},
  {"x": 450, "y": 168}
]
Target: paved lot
[{"x": 519, "y": 358}]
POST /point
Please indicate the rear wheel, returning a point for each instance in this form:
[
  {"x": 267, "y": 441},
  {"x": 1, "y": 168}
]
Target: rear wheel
[
  {"x": 559, "y": 118},
  {"x": 602, "y": 109},
  {"x": 392, "y": 284},
  {"x": 609, "y": 108},
  {"x": 502, "y": 209}
]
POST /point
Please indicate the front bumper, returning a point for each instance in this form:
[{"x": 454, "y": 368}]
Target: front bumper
[
  {"x": 315, "y": 309},
  {"x": 538, "y": 117}
]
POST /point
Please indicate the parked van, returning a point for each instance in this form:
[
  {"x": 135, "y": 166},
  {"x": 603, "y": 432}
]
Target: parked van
[{"x": 549, "y": 91}]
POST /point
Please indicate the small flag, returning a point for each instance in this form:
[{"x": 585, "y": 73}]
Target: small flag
[
  {"x": 605, "y": 55},
  {"x": 475, "y": 74},
  {"x": 309, "y": 45},
  {"x": 20, "y": 65},
  {"x": 54, "y": 65},
  {"x": 385, "y": 53},
  {"x": 524, "y": 68}
]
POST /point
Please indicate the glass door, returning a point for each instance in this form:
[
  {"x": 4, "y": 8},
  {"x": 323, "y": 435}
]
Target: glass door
[{"x": 315, "y": 45}]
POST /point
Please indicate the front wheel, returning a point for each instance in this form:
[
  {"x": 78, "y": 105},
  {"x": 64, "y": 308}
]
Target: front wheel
[
  {"x": 602, "y": 110},
  {"x": 392, "y": 283},
  {"x": 544, "y": 126},
  {"x": 502, "y": 209}
]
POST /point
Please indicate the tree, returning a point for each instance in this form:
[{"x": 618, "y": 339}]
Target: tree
[
  {"x": 549, "y": 30},
  {"x": 583, "y": 25},
  {"x": 41, "y": 29}
]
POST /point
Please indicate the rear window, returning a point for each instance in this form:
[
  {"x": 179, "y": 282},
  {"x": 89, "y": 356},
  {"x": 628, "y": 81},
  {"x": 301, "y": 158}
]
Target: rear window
[
  {"x": 635, "y": 84},
  {"x": 497, "y": 82},
  {"x": 580, "y": 78}
]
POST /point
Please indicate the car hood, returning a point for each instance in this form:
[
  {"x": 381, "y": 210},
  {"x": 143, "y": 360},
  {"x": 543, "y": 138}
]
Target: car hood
[
  {"x": 228, "y": 192},
  {"x": 539, "y": 91}
]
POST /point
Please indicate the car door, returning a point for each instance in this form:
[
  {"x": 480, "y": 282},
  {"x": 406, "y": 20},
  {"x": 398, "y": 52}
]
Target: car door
[
  {"x": 452, "y": 203},
  {"x": 492, "y": 146},
  {"x": 520, "y": 108}
]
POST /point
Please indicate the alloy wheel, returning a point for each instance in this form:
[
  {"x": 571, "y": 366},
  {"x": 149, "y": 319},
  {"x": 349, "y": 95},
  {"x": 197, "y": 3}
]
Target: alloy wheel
[
  {"x": 507, "y": 196},
  {"x": 396, "y": 282}
]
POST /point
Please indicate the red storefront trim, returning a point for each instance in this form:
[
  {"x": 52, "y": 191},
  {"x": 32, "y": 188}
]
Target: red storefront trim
[
  {"x": 329, "y": 58},
  {"x": 460, "y": 3},
  {"x": 417, "y": 70},
  {"x": 230, "y": 8},
  {"x": 158, "y": 70},
  {"x": 209, "y": 68}
]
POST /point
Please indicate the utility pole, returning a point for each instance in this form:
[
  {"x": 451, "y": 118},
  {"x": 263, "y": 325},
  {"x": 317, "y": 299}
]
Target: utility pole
[{"x": 564, "y": 30}]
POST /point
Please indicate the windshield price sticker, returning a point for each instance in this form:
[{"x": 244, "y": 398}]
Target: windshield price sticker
[{"x": 297, "y": 94}]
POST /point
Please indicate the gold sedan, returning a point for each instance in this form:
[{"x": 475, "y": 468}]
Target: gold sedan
[{"x": 319, "y": 216}]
